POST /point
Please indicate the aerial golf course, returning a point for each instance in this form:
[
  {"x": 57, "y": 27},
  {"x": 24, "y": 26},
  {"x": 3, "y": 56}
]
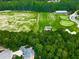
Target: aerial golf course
[
  {"x": 26, "y": 21},
  {"x": 18, "y": 28},
  {"x": 50, "y": 28}
]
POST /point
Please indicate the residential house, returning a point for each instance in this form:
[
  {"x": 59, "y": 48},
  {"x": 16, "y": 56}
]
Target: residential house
[{"x": 53, "y": 0}]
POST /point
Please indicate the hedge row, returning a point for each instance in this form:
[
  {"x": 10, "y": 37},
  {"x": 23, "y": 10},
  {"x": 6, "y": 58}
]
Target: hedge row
[{"x": 39, "y": 6}]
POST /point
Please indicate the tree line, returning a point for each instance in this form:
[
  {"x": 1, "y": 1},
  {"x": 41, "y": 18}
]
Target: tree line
[{"x": 33, "y": 5}]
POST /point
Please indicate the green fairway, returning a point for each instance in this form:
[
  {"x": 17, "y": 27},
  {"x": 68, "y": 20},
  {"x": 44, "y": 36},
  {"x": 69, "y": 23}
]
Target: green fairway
[
  {"x": 16, "y": 21},
  {"x": 57, "y": 21}
]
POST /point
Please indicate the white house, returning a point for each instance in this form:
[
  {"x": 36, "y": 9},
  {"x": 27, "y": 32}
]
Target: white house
[
  {"x": 6, "y": 54},
  {"x": 53, "y": 0},
  {"x": 47, "y": 28},
  {"x": 61, "y": 12}
]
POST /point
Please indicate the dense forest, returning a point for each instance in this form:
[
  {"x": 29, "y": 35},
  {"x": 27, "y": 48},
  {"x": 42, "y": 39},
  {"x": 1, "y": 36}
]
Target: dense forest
[
  {"x": 38, "y": 5},
  {"x": 53, "y": 45}
]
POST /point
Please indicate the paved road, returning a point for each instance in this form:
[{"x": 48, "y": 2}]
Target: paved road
[{"x": 73, "y": 18}]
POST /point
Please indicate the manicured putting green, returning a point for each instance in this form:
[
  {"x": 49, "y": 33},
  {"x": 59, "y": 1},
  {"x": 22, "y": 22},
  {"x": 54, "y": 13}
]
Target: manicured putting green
[{"x": 66, "y": 23}]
